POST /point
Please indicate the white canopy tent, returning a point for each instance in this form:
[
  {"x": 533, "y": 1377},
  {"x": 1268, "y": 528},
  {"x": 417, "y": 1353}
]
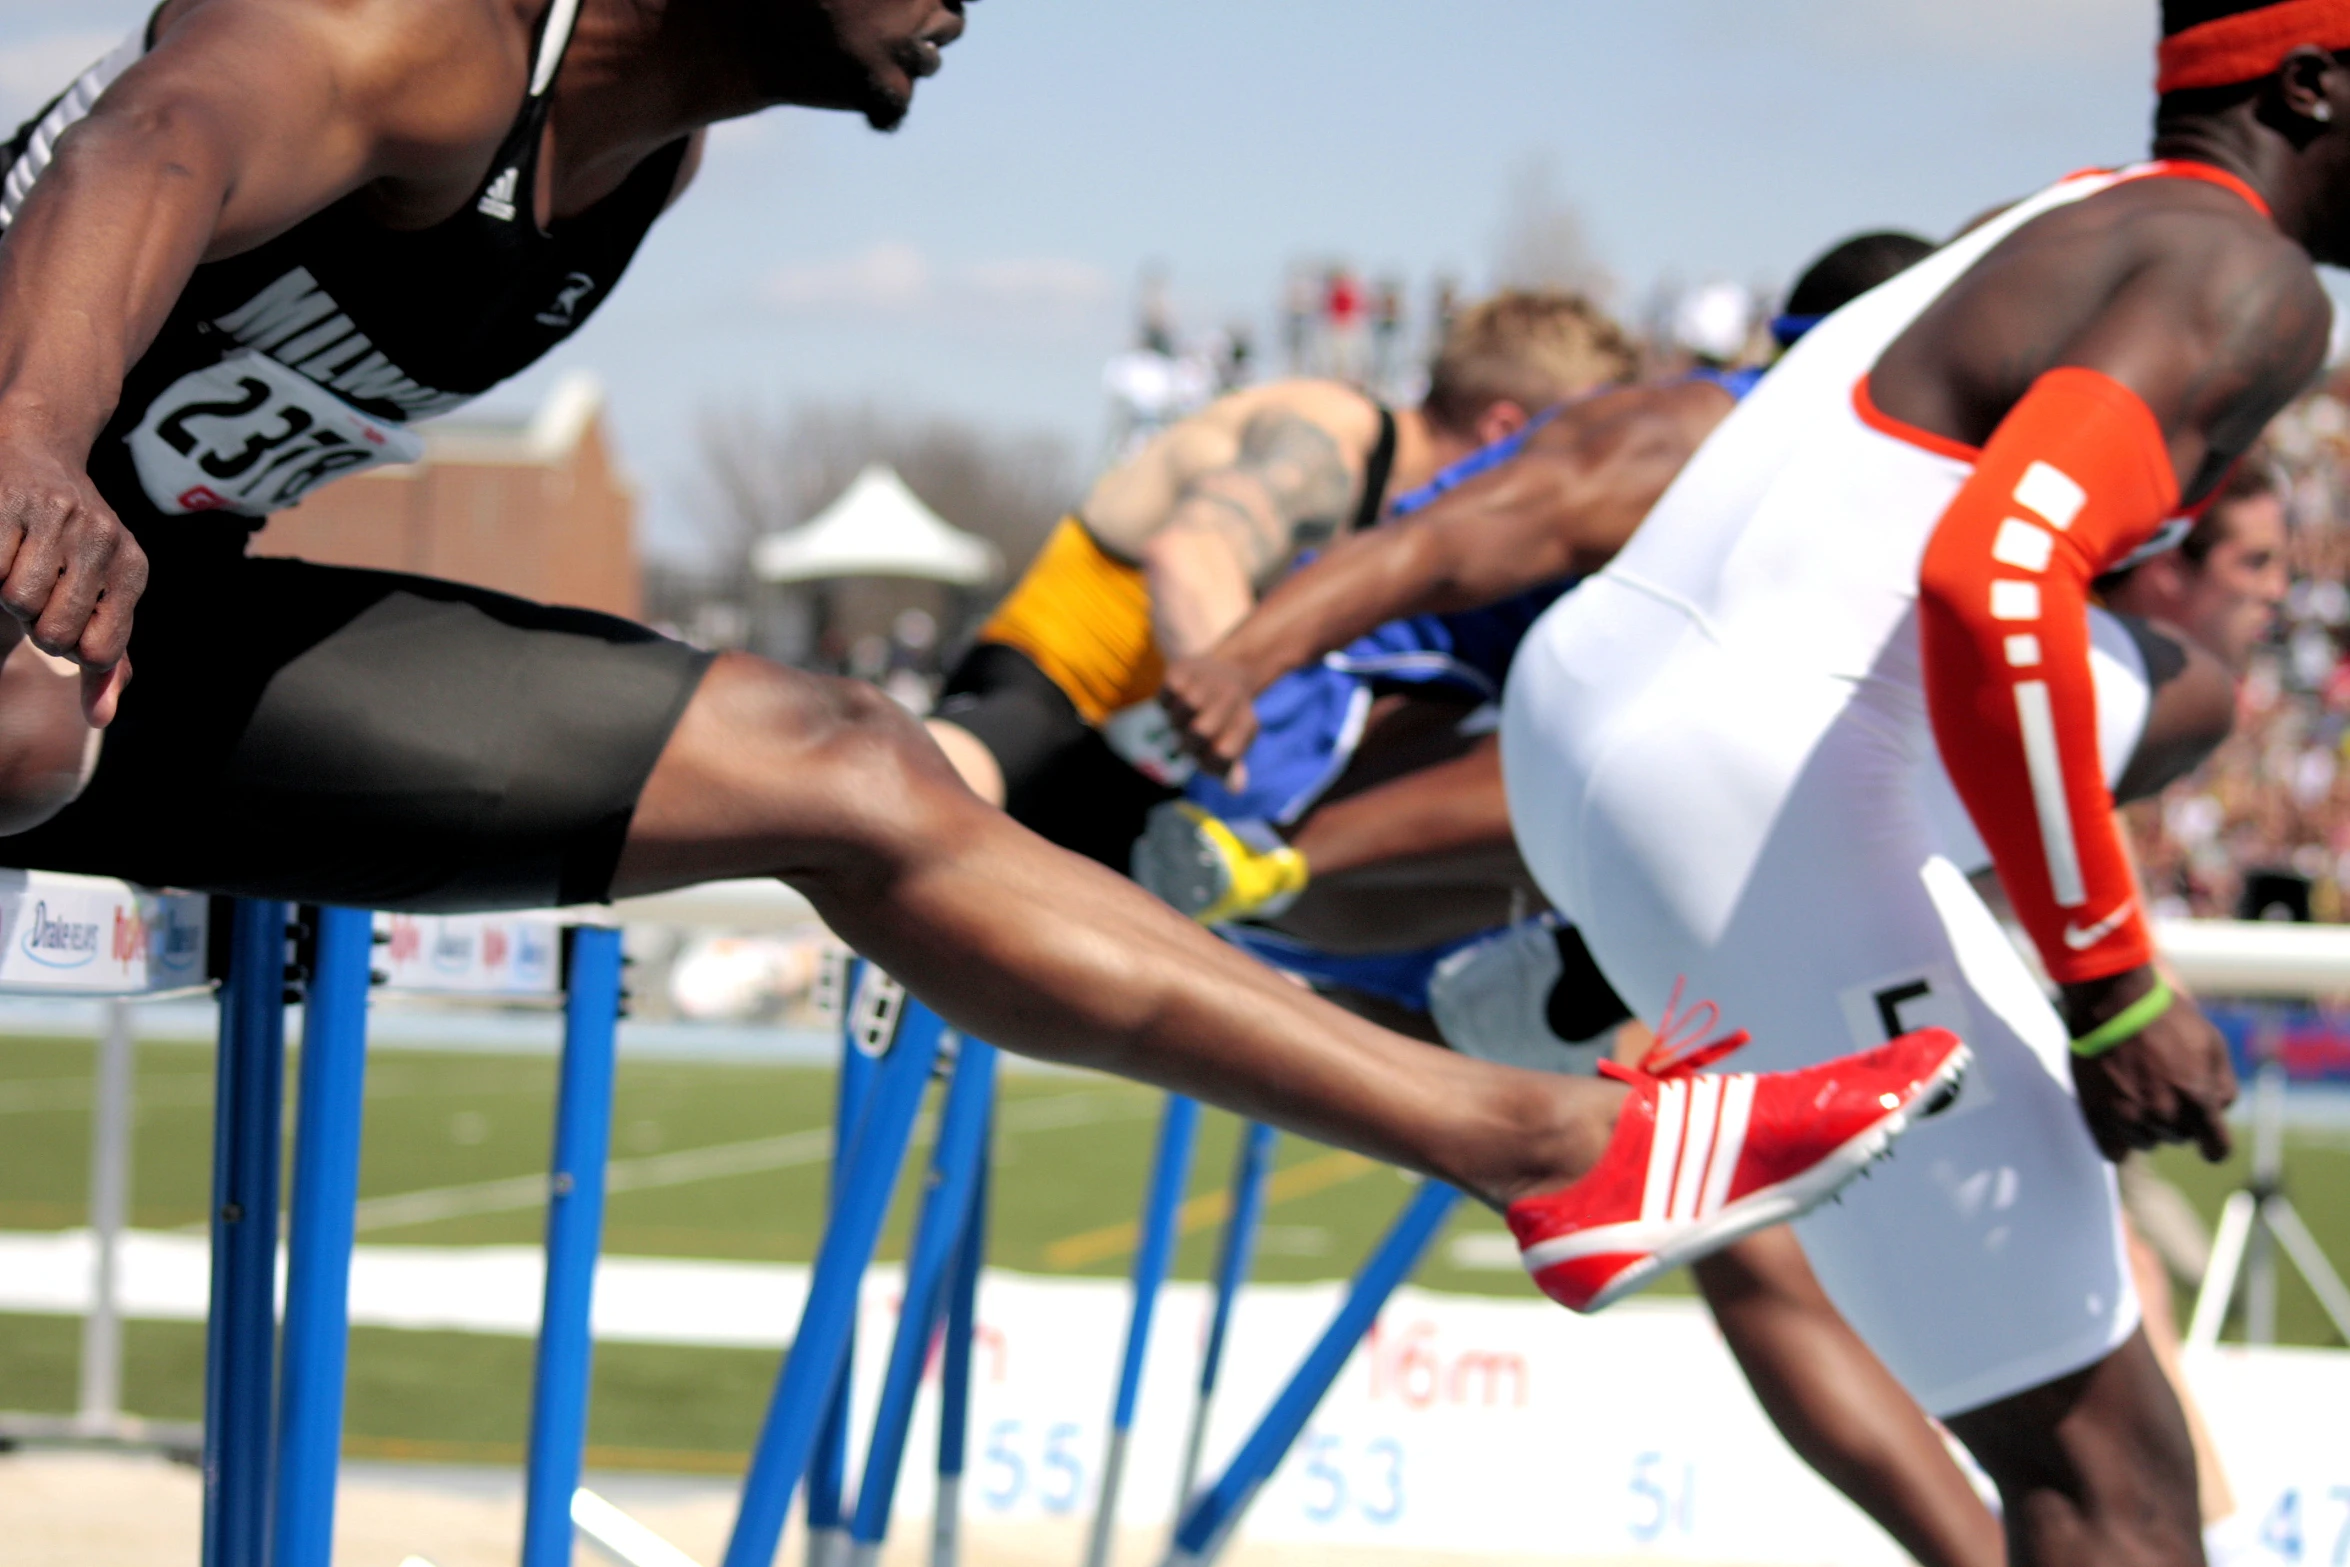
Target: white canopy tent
[{"x": 878, "y": 528}]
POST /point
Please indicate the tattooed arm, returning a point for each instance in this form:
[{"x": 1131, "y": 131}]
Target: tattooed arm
[{"x": 1234, "y": 526}]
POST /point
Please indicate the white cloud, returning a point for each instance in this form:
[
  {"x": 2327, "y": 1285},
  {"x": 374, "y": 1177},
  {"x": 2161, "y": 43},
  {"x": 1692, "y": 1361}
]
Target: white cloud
[
  {"x": 891, "y": 276},
  {"x": 1057, "y": 281},
  {"x": 37, "y": 69},
  {"x": 894, "y": 278}
]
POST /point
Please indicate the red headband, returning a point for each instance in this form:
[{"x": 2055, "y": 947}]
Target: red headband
[{"x": 2250, "y": 44}]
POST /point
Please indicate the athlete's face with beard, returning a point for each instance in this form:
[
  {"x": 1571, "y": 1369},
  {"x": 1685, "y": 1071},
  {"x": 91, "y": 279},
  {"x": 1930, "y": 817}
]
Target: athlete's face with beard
[{"x": 864, "y": 55}]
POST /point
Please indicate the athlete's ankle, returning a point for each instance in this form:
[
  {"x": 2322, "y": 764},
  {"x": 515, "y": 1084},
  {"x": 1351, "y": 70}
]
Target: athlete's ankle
[{"x": 1550, "y": 1135}]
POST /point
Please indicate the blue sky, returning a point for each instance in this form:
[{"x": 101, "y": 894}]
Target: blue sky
[{"x": 981, "y": 262}]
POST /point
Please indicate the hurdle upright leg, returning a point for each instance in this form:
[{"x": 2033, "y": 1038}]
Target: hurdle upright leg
[
  {"x": 1154, "y": 1254},
  {"x": 956, "y": 1161},
  {"x": 241, "y": 1330},
  {"x": 954, "y": 1395},
  {"x": 330, "y": 1102},
  {"x": 787, "y": 1438},
  {"x": 575, "y": 1231},
  {"x": 1251, "y": 1167},
  {"x": 100, "y": 1403},
  {"x": 1207, "y": 1524},
  {"x": 828, "y": 1471}
]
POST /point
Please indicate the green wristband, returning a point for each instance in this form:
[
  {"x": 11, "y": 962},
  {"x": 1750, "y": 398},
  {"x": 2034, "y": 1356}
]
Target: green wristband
[{"x": 2129, "y": 1020}]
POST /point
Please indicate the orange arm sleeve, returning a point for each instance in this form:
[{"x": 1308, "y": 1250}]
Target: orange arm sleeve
[{"x": 2076, "y": 476}]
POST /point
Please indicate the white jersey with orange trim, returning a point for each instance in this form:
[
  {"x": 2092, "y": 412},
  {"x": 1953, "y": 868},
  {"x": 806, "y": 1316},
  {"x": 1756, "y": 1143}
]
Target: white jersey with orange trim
[{"x": 1720, "y": 766}]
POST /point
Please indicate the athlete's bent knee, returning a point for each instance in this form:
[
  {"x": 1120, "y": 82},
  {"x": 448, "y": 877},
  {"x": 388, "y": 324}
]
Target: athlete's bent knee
[{"x": 778, "y": 772}]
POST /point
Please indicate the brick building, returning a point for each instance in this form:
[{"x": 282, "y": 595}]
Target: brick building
[{"x": 536, "y": 508}]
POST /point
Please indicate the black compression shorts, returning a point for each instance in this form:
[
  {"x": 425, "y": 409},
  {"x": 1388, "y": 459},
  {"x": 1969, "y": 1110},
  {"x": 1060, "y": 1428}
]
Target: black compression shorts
[
  {"x": 1061, "y": 779},
  {"x": 368, "y": 739}
]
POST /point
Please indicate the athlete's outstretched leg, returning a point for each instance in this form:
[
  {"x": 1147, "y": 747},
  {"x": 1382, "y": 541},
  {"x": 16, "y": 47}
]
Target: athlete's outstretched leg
[
  {"x": 1839, "y": 1407},
  {"x": 826, "y": 784},
  {"x": 2096, "y": 1468}
]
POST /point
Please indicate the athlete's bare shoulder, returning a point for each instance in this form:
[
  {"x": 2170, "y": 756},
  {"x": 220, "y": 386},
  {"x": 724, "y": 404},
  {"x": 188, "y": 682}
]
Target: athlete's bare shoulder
[
  {"x": 430, "y": 85},
  {"x": 1346, "y": 415},
  {"x": 2176, "y": 287},
  {"x": 2225, "y": 325},
  {"x": 1676, "y": 415},
  {"x": 1307, "y": 443}
]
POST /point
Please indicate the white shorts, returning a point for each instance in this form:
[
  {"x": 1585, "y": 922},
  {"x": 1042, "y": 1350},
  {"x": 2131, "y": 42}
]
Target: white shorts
[{"x": 1716, "y": 812}]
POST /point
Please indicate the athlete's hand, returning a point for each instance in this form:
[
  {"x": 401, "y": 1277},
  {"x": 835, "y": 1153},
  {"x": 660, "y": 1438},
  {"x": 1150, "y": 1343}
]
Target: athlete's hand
[
  {"x": 2171, "y": 1082},
  {"x": 70, "y": 572},
  {"x": 1212, "y": 704}
]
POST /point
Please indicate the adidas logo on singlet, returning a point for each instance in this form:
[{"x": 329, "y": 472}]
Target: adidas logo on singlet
[{"x": 498, "y": 200}]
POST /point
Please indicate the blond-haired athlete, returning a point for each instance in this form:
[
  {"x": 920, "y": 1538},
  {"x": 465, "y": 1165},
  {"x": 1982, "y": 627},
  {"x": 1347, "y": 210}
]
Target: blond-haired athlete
[{"x": 1050, "y": 712}]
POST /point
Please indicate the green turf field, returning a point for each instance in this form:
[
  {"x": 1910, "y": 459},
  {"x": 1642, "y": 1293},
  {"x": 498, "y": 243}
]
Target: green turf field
[{"x": 442, "y": 1129}]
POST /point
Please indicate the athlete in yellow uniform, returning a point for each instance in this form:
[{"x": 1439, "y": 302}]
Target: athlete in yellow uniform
[{"x": 1171, "y": 548}]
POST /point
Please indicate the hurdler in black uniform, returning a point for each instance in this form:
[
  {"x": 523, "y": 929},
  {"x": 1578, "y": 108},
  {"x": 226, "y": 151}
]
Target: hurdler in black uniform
[{"x": 348, "y": 736}]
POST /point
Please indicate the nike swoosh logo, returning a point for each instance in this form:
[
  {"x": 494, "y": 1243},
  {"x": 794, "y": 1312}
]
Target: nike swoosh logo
[{"x": 2082, "y": 940}]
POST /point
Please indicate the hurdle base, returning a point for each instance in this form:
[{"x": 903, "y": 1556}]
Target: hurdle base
[
  {"x": 181, "y": 1441},
  {"x": 829, "y": 1546}
]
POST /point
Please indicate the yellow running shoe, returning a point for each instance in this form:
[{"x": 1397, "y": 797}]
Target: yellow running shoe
[{"x": 1215, "y": 870}]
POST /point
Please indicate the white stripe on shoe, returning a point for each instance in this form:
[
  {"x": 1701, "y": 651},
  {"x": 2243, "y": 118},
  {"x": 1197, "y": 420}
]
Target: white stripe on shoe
[
  {"x": 1664, "y": 1148},
  {"x": 1729, "y": 1141},
  {"x": 1697, "y": 1141}
]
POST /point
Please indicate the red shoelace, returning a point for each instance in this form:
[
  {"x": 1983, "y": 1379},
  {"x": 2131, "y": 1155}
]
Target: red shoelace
[{"x": 1676, "y": 1051}]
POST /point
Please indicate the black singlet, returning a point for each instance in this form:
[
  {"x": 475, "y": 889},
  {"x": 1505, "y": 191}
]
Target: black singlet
[
  {"x": 306, "y": 357},
  {"x": 1376, "y": 472}
]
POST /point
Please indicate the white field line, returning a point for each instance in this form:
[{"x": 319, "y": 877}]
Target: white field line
[
  {"x": 179, "y": 1091},
  {"x": 622, "y": 1536},
  {"x": 193, "y": 1090},
  {"x": 686, "y": 1166}
]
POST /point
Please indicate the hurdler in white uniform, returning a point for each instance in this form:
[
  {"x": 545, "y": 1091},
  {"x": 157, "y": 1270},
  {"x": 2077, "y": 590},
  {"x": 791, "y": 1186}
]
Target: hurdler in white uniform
[{"x": 1719, "y": 765}]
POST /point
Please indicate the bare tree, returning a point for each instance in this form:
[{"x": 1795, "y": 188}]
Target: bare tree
[
  {"x": 760, "y": 473},
  {"x": 1543, "y": 242}
]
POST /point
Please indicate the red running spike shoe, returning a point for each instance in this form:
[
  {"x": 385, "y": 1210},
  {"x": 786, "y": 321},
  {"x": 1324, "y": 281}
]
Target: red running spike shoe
[{"x": 1698, "y": 1162}]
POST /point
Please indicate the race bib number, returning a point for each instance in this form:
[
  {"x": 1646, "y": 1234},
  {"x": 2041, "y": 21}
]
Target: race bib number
[{"x": 250, "y": 436}]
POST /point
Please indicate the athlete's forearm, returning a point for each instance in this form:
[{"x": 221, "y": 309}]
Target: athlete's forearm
[
  {"x": 91, "y": 267},
  {"x": 1198, "y": 590},
  {"x": 1464, "y": 558},
  {"x": 1359, "y": 584},
  {"x": 2074, "y": 477},
  {"x": 1563, "y": 506},
  {"x": 1448, "y": 809}
]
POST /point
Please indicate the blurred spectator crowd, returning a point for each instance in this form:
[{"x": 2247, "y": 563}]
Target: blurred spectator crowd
[{"x": 2262, "y": 829}]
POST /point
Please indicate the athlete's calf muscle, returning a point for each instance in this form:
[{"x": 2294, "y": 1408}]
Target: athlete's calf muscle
[{"x": 828, "y": 785}]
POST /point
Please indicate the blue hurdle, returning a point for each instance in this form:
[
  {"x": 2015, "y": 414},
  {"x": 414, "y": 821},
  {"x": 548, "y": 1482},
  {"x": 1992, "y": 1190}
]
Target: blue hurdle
[
  {"x": 241, "y": 1331},
  {"x": 818, "y": 1357},
  {"x": 1207, "y": 1523},
  {"x": 269, "y": 1488},
  {"x": 575, "y": 1231},
  {"x": 957, "y": 1159},
  {"x": 325, "y": 1197},
  {"x": 1154, "y": 1255},
  {"x": 1252, "y": 1166},
  {"x": 954, "y": 1403},
  {"x": 828, "y": 1473}
]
